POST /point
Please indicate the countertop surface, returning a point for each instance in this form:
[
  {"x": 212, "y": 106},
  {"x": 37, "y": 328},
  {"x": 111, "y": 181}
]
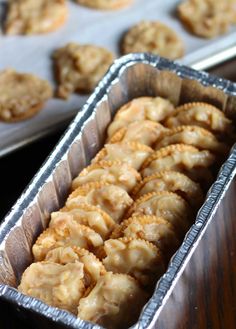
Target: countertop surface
[{"x": 210, "y": 301}]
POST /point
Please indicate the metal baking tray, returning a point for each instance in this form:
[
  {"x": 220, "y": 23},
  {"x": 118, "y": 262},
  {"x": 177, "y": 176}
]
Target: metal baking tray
[
  {"x": 82, "y": 140},
  {"x": 93, "y": 26}
]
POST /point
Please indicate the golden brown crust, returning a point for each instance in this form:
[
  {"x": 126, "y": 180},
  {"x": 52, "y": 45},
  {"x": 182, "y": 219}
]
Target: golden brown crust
[
  {"x": 191, "y": 135},
  {"x": 113, "y": 172},
  {"x": 168, "y": 150},
  {"x": 105, "y": 4},
  {"x": 34, "y": 17},
  {"x": 72, "y": 235},
  {"x": 164, "y": 204},
  {"x": 144, "y": 132},
  {"x": 136, "y": 257},
  {"x": 182, "y": 158},
  {"x": 115, "y": 302},
  {"x": 111, "y": 198},
  {"x": 132, "y": 153},
  {"x": 153, "y": 37},
  {"x": 22, "y": 95},
  {"x": 57, "y": 285},
  {"x": 171, "y": 181},
  {"x": 154, "y": 109},
  {"x": 93, "y": 267},
  {"x": 154, "y": 229},
  {"x": 84, "y": 189},
  {"x": 84, "y": 214},
  {"x": 201, "y": 114},
  {"x": 80, "y": 67}
]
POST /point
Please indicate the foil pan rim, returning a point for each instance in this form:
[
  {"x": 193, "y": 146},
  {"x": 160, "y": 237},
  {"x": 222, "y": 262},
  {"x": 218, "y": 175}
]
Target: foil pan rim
[{"x": 166, "y": 284}]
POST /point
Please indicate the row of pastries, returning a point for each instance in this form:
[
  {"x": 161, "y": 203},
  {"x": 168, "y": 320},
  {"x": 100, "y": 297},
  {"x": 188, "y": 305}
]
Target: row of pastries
[{"x": 129, "y": 210}]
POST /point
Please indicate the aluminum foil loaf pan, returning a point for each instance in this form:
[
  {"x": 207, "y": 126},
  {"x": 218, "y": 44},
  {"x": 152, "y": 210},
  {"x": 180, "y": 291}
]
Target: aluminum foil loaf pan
[{"x": 129, "y": 77}]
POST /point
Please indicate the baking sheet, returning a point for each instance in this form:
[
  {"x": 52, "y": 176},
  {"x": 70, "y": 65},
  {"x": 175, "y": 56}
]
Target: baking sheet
[{"x": 32, "y": 54}]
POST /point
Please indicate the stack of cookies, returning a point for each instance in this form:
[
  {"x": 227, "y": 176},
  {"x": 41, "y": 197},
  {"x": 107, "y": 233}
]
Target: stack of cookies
[{"x": 129, "y": 210}]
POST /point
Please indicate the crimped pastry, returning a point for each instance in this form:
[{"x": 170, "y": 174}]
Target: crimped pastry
[
  {"x": 203, "y": 115},
  {"x": 115, "y": 302},
  {"x": 171, "y": 181},
  {"x": 139, "y": 109},
  {"x": 22, "y": 95},
  {"x": 153, "y": 37},
  {"x": 105, "y": 4},
  {"x": 132, "y": 153},
  {"x": 136, "y": 257},
  {"x": 84, "y": 214},
  {"x": 144, "y": 132},
  {"x": 150, "y": 228},
  {"x": 164, "y": 204},
  {"x": 80, "y": 67},
  {"x": 73, "y": 234},
  {"x": 55, "y": 284},
  {"x": 111, "y": 198},
  {"x": 93, "y": 267},
  {"x": 34, "y": 17},
  {"x": 113, "y": 172},
  {"x": 191, "y": 135},
  {"x": 182, "y": 158}
]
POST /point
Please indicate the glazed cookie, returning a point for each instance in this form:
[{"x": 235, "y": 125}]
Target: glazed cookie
[
  {"x": 111, "y": 198},
  {"x": 113, "y": 172},
  {"x": 93, "y": 267},
  {"x": 153, "y": 37},
  {"x": 136, "y": 257},
  {"x": 191, "y": 135},
  {"x": 182, "y": 158},
  {"x": 22, "y": 95},
  {"x": 203, "y": 115},
  {"x": 132, "y": 153},
  {"x": 35, "y": 17},
  {"x": 55, "y": 284},
  {"x": 105, "y": 4},
  {"x": 115, "y": 302},
  {"x": 171, "y": 181},
  {"x": 139, "y": 109},
  {"x": 150, "y": 228},
  {"x": 207, "y": 18},
  {"x": 73, "y": 234},
  {"x": 79, "y": 68},
  {"x": 84, "y": 214},
  {"x": 145, "y": 132},
  {"x": 167, "y": 205}
]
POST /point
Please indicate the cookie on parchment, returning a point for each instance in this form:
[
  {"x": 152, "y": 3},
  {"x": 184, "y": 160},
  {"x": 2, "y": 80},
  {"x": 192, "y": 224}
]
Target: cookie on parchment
[
  {"x": 207, "y": 18},
  {"x": 153, "y": 37},
  {"x": 105, "y": 4},
  {"x": 35, "y": 16},
  {"x": 79, "y": 68},
  {"x": 21, "y": 95}
]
